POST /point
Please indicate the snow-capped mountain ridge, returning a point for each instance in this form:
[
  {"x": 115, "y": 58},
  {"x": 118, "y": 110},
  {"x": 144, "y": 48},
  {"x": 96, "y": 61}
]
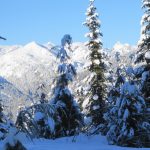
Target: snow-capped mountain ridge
[
  {"x": 123, "y": 48},
  {"x": 28, "y": 66},
  {"x": 7, "y": 49},
  {"x": 26, "y": 61}
]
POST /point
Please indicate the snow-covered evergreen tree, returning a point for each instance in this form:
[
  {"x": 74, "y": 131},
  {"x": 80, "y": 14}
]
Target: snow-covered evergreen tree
[
  {"x": 40, "y": 119},
  {"x": 3, "y": 120},
  {"x": 96, "y": 95},
  {"x": 12, "y": 142},
  {"x": 4, "y": 123},
  {"x": 81, "y": 97},
  {"x": 41, "y": 94},
  {"x": 144, "y": 42},
  {"x": 68, "y": 109},
  {"x": 142, "y": 70},
  {"x": 145, "y": 86},
  {"x": 125, "y": 118},
  {"x": 145, "y": 89},
  {"x": 45, "y": 116},
  {"x": 113, "y": 94}
]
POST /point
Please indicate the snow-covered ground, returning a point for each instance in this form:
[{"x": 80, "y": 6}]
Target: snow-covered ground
[{"x": 70, "y": 143}]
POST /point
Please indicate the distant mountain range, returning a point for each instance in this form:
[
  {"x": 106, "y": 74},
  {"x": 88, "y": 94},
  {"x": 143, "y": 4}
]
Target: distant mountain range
[{"x": 24, "y": 68}]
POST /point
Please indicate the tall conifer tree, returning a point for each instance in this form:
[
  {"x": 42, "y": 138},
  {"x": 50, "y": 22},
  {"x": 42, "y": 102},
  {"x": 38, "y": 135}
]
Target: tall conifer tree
[
  {"x": 143, "y": 70},
  {"x": 144, "y": 42},
  {"x": 96, "y": 105}
]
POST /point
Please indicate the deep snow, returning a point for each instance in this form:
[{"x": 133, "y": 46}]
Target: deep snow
[{"x": 81, "y": 142}]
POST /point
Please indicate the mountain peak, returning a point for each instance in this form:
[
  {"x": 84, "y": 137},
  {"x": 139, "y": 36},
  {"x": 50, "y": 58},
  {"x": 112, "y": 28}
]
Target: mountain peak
[
  {"x": 119, "y": 45},
  {"x": 32, "y": 44},
  {"x": 123, "y": 48}
]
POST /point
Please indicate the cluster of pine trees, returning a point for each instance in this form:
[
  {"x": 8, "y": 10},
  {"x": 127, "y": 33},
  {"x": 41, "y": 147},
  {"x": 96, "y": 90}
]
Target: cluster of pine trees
[{"x": 120, "y": 111}]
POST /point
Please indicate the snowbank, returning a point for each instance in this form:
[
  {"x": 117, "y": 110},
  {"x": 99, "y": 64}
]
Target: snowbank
[{"x": 70, "y": 143}]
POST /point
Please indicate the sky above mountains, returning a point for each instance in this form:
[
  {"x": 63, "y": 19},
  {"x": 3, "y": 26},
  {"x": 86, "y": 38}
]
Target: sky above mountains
[{"x": 23, "y": 21}]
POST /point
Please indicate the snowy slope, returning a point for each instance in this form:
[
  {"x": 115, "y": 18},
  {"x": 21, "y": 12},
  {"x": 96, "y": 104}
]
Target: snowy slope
[
  {"x": 70, "y": 143},
  {"x": 28, "y": 66},
  {"x": 122, "y": 54},
  {"x": 124, "y": 48},
  {"x": 7, "y": 49},
  {"x": 11, "y": 97}
]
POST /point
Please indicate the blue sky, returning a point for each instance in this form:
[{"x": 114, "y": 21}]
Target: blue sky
[{"x": 23, "y": 21}]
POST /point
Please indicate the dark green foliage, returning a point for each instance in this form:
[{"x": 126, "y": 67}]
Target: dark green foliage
[
  {"x": 125, "y": 118},
  {"x": 146, "y": 87},
  {"x": 4, "y": 123},
  {"x": 144, "y": 43},
  {"x": 39, "y": 120},
  {"x": 69, "y": 113},
  {"x": 18, "y": 146},
  {"x": 68, "y": 110},
  {"x": 143, "y": 73},
  {"x": 96, "y": 107}
]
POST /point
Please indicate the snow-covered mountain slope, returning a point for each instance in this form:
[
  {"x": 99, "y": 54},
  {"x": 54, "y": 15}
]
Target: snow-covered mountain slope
[
  {"x": 123, "y": 49},
  {"x": 27, "y": 67},
  {"x": 122, "y": 54},
  {"x": 7, "y": 49},
  {"x": 11, "y": 97}
]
